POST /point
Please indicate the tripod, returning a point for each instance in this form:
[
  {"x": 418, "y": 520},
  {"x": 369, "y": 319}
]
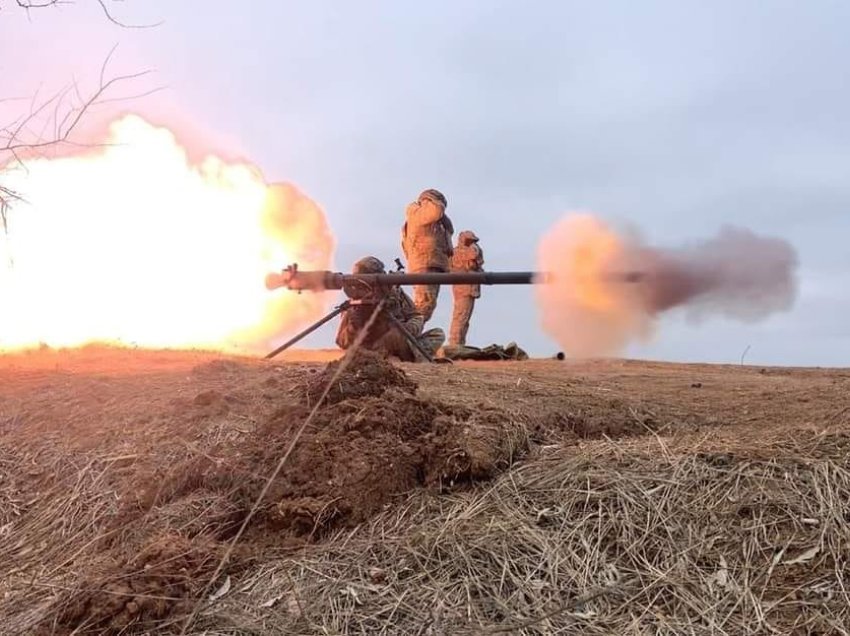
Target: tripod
[{"x": 342, "y": 307}]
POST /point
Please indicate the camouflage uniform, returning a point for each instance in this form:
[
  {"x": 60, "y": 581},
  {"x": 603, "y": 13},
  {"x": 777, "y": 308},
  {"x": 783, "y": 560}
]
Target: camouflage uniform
[
  {"x": 384, "y": 336},
  {"x": 467, "y": 257},
  {"x": 426, "y": 240}
]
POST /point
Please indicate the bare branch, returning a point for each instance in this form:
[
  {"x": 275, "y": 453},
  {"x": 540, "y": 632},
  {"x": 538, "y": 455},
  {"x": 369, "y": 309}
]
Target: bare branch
[
  {"x": 126, "y": 98},
  {"x": 3, "y": 100},
  {"x": 28, "y": 5},
  {"x": 7, "y": 198},
  {"x": 24, "y": 136},
  {"x": 27, "y": 134},
  {"x": 106, "y": 62},
  {"x": 34, "y": 112},
  {"x": 72, "y": 117},
  {"x": 112, "y": 19}
]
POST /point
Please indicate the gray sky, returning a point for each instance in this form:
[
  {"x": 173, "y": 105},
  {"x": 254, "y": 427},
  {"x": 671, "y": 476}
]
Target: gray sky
[{"x": 677, "y": 117}]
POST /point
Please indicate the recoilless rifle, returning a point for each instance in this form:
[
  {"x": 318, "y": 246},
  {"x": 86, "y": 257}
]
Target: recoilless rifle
[{"x": 373, "y": 289}]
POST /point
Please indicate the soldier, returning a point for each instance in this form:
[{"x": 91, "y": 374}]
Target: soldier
[
  {"x": 426, "y": 240},
  {"x": 467, "y": 257},
  {"x": 384, "y": 336}
]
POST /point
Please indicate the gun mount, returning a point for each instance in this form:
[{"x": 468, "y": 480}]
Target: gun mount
[{"x": 371, "y": 288}]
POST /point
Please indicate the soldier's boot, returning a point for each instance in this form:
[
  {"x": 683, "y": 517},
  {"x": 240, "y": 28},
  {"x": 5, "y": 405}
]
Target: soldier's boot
[{"x": 430, "y": 341}]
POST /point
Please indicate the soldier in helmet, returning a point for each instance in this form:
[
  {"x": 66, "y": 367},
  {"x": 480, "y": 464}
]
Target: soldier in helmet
[
  {"x": 384, "y": 336},
  {"x": 426, "y": 240},
  {"x": 467, "y": 257}
]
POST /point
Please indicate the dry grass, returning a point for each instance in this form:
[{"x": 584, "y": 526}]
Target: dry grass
[
  {"x": 639, "y": 535},
  {"x": 586, "y": 544},
  {"x": 594, "y": 542},
  {"x": 45, "y": 522}
]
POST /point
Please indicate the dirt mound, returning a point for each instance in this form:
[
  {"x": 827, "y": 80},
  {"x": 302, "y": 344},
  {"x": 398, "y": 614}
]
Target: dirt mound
[
  {"x": 361, "y": 453},
  {"x": 374, "y": 441},
  {"x": 353, "y": 458},
  {"x": 365, "y": 374},
  {"x": 143, "y": 588}
]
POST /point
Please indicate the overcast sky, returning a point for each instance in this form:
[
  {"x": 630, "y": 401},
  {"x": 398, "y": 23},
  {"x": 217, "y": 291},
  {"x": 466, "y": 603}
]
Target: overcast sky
[{"x": 677, "y": 117}]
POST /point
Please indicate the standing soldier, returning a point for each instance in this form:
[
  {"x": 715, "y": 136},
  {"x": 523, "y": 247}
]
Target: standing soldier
[
  {"x": 467, "y": 257},
  {"x": 426, "y": 240}
]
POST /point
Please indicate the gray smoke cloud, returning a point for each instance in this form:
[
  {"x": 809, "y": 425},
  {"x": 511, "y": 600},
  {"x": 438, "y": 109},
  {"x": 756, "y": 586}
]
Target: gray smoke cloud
[{"x": 605, "y": 290}]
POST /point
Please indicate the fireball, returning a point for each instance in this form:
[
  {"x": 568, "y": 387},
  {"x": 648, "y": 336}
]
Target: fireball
[
  {"x": 133, "y": 243},
  {"x": 583, "y": 305}
]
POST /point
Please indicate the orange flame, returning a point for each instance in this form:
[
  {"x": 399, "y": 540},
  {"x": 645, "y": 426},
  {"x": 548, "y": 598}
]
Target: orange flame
[
  {"x": 581, "y": 307},
  {"x": 135, "y": 244}
]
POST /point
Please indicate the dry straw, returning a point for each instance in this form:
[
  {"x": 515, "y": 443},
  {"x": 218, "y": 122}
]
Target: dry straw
[
  {"x": 567, "y": 543},
  {"x": 608, "y": 538}
]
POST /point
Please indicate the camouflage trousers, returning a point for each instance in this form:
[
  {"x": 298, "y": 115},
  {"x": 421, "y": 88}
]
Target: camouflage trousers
[
  {"x": 425, "y": 299},
  {"x": 461, "y": 314},
  {"x": 394, "y": 343}
]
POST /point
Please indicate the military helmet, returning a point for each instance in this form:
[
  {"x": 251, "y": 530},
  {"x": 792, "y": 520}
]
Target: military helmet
[
  {"x": 434, "y": 195},
  {"x": 369, "y": 265}
]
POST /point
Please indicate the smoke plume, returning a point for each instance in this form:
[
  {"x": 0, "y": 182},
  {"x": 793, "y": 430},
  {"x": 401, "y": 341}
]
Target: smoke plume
[{"x": 605, "y": 290}]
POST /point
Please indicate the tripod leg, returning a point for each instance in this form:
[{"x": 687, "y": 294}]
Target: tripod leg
[
  {"x": 336, "y": 312},
  {"x": 409, "y": 337}
]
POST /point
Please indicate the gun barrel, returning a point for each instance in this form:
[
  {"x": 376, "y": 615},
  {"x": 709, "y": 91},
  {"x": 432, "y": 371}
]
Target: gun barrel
[
  {"x": 452, "y": 278},
  {"x": 321, "y": 280}
]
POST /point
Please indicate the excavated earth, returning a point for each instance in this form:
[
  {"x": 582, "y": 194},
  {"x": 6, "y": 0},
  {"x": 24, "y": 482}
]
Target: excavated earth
[
  {"x": 135, "y": 483},
  {"x": 180, "y": 456}
]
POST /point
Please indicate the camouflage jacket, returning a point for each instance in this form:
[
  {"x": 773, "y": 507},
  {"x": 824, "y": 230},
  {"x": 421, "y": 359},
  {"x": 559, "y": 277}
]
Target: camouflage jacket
[
  {"x": 468, "y": 258},
  {"x": 426, "y": 237},
  {"x": 398, "y": 305}
]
